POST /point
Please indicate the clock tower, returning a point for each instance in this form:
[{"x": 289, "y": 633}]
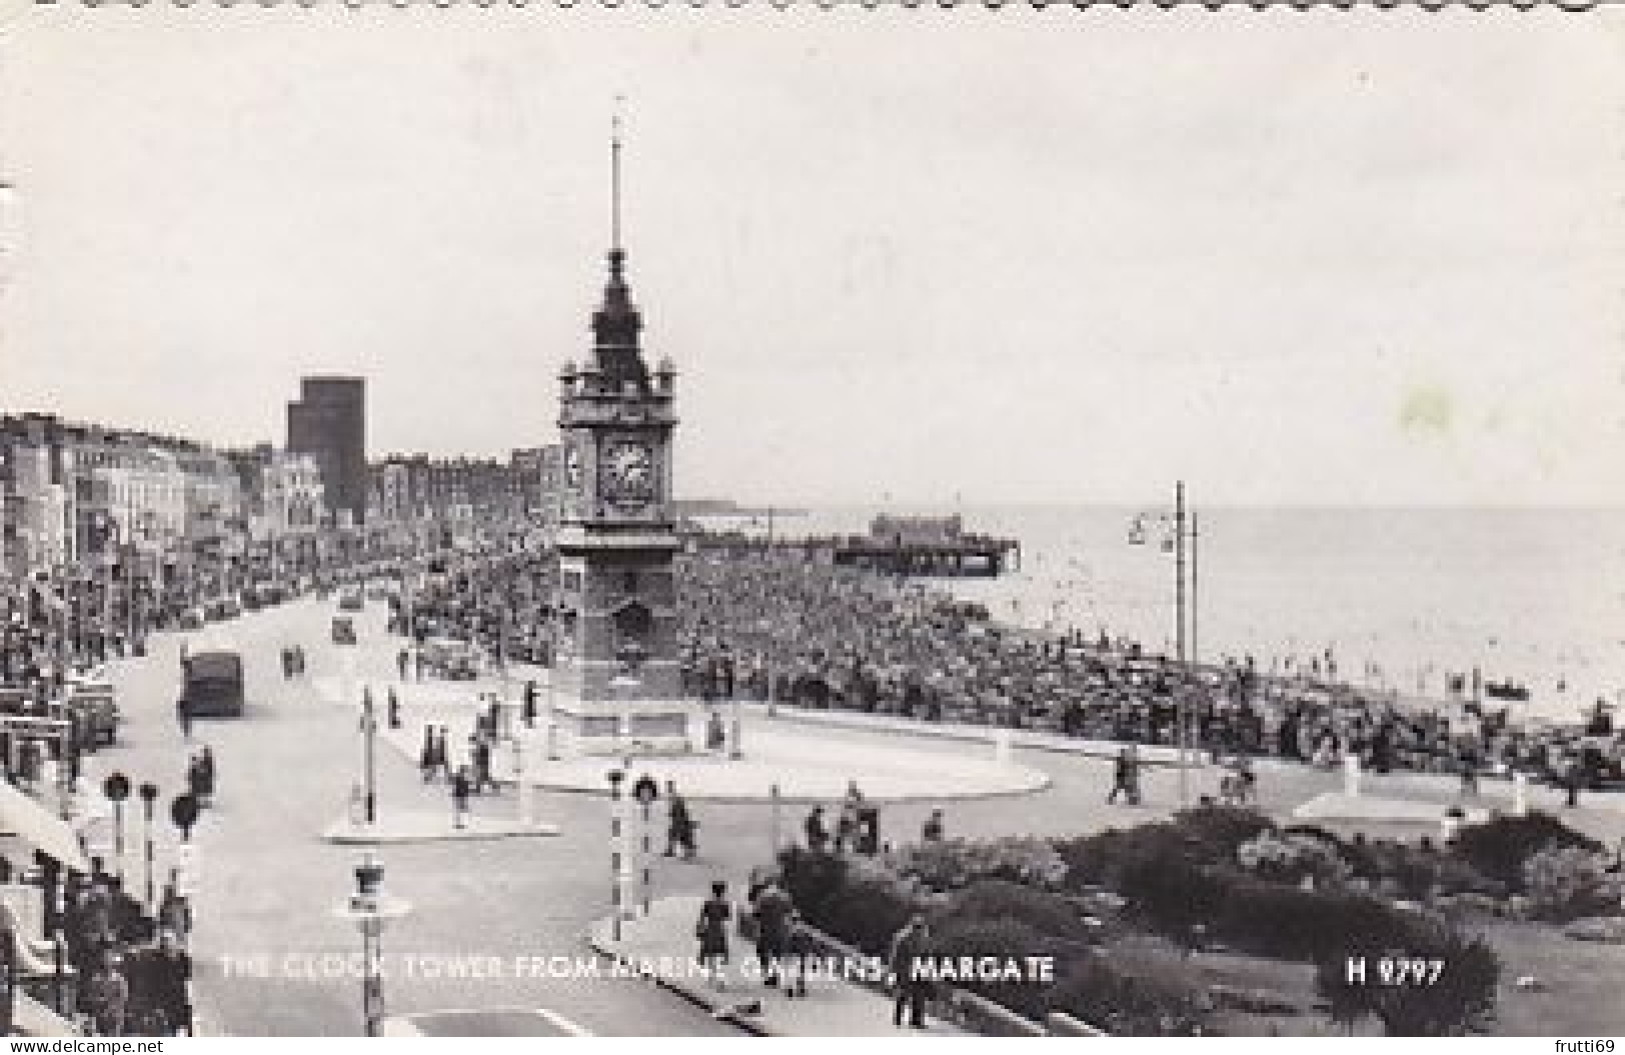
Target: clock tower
[{"x": 619, "y": 688}]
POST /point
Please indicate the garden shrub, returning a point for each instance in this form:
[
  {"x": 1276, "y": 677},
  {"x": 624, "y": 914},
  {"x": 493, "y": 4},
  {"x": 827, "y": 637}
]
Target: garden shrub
[
  {"x": 1460, "y": 999},
  {"x": 1216, "y": 831},
  {"x": 1133, "y": 992},
  {"x": 1291, "y": 858},
  {"x": 1499, "y": 848},
  {"x": 1002, "y": 938},
  {"x": 1565, "y": 884},
  {"x": 994, "y": 899},
  {"x": 867, "y": 913},
  {"x": 955, "y": 863}
]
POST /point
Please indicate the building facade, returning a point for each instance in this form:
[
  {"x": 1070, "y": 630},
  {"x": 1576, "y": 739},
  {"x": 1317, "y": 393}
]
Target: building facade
[{"x": 329, "y": 423}]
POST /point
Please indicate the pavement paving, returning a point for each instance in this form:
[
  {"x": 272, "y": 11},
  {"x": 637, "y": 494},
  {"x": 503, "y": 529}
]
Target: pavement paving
[
  {"x": 661, "y": 946},
  {"x": 798, "y": 760},
  {"x": 418, "y": 826}
]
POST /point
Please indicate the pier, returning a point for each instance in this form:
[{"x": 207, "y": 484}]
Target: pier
[
  {"x": 926, "y": 546},
  {"x": 915, "y": 545}
]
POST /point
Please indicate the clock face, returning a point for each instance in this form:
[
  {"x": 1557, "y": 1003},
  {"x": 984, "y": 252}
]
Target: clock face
[{"x": 629, "y": 471}]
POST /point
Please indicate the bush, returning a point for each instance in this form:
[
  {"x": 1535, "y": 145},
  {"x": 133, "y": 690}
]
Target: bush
[
  {"x": 1460, "y": 998},
  {"x": 1217, "y": 832},
  {"x": 1002, "y": 939},
  {"x": 1291, "y": 859},
  {"x": 1565, "y": 884},
  {"x": 867, "y": 914},
  {"x": 1172, "y": 894},
  {"x": 1103, "y": 859},
  {"x": 996, "y": 899},
  {"x": 958, "y": 862},
  {"x": 1268, "y": 919},
  {"x": 1499, "y": 848},
  {"x": 812, "y": 879},
  {"x": 1131, "y": 991}
]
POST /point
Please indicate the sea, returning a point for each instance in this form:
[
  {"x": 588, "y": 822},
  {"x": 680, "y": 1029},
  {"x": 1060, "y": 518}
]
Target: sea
[{"x": 1401, "y": 598}]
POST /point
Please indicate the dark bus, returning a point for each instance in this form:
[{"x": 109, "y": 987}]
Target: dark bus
[{"x": 212, "y": 685}]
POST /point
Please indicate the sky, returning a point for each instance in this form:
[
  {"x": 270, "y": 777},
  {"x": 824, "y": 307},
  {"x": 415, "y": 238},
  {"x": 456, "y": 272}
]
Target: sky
[{"x": 1291, "y": 258}]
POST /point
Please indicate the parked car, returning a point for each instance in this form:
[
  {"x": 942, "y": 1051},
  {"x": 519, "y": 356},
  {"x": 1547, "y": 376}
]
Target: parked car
[
  {"x": 351, "y": 601},
  {"x": 192, "y": 619},
  {"x": 343, "y": 630}
]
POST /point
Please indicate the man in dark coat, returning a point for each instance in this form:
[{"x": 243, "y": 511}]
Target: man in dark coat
[
  {"x": 680, "y": 824},
  {"x": 908, "y": 960},
  {"x": 773, "y": 909}
]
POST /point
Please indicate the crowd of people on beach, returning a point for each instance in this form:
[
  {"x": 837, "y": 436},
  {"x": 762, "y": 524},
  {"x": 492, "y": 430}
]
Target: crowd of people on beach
[{"x": 772, "y": 624}]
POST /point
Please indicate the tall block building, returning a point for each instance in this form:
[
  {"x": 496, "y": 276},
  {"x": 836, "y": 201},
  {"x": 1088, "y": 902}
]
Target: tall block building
[{"x": 329, "y": 423}]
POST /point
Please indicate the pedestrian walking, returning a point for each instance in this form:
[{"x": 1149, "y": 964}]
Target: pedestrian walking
[
  {"x": 846, "y": 827},
  {"x": 401, "y": 661},
  {"x": 800, "y": 952},
  {"x": 1125, "y": 778},
  {"x": 460, "y": 785},
  {"x": 712, "y": 931},
  {"x": 908, "y": 961},
  {"x": 427, "y": 762},
  {"x": 679, "y": 824},
  {"x": 394, "y": 709},
  {"x": 772, "y": 908},
  {"x": 482, "y": 766},
  {"x": 183, "y": 713},
  {"x": 931, "y": 831},
  {"x": 442, "y": 752},
  {"x": 817, "y": 833}
]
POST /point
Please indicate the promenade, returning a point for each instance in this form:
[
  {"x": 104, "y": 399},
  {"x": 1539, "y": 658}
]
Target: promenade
[{"x": 661, "y": 946}]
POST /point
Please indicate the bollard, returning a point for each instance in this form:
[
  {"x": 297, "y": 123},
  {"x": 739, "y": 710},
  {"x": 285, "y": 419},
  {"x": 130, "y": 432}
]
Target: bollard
[{"x": 1351, "y": 776}]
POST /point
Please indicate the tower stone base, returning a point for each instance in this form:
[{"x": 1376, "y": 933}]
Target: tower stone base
[{"x": 593, "y": 715}]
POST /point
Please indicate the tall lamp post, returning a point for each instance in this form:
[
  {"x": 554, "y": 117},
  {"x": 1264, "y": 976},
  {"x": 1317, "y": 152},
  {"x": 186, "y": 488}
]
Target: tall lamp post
[
  {"x": 369, "y": 908},
  {"x": 1176, "y": 531},
  {"x": 117, "y": 788},
  {"x": 369, "y": 769},
  {"x": 618, "y": 864},
  {"x": 149, "y": 795}
]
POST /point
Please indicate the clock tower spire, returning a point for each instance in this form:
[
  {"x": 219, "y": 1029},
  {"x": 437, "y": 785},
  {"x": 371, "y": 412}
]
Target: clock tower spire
[
  {"x": 616, "y": 603},
  {"x": 617, "y": 324}
]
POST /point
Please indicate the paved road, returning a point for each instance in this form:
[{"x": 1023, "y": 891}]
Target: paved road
[{"x": 271, "y": 958}]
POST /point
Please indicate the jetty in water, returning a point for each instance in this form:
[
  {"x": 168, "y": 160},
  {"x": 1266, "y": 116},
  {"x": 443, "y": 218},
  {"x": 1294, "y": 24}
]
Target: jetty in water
[
  {"x": 923, "y": 545},
  {"x": 895, "y": 545}
]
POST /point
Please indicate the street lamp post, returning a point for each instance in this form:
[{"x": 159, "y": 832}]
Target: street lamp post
[
  {"x": 370, "y": 908},
  {"x": 616, "y": 854},
  {"x": 369, "y": 737},
  {"x": 736, "y": 748},
  {"x": 149, "y": 795},
  {"x": 117, "y": 788},
  {"x": 1178, "y": 535},
  {"x": 645, "y": 791}
]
